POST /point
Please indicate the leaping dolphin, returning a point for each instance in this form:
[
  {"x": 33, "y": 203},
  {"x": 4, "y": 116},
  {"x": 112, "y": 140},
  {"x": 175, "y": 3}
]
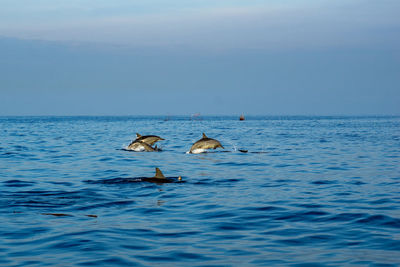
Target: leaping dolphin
[
  {"x": 148, "y": 139},
  {"x": 140, "y": 146},
  {"x": 204, "y": 143}
]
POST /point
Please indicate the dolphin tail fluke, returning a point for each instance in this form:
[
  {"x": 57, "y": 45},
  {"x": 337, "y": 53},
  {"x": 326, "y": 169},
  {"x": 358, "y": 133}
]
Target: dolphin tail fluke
[
  {"x": 159, "y": 174},
  {"x": 138, "y": 135},
  {"x": 204, "y": 135}
]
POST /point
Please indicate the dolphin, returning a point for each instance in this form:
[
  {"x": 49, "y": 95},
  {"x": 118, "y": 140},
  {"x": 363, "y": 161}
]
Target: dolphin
[
  {"x": 158, "y": 178},
  {"x": 203, "y": 144},
  {"x": 148, "y": 139},
  {"x": 140, "y": 146}
]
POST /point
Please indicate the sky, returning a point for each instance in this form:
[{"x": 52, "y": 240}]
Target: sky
[{"x": 179, "y": 57}]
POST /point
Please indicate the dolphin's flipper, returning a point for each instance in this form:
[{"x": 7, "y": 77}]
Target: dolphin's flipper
[
  {"x": 159, "y": 174},
  {"x": 204, "y": 135}
]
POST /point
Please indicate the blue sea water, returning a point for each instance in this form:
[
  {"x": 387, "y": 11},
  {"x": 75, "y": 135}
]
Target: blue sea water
[{"x": 311, "y": 191}]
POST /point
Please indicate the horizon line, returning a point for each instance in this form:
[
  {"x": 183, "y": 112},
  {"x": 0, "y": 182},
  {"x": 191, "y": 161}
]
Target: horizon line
[{"x": 214, "y": 115}]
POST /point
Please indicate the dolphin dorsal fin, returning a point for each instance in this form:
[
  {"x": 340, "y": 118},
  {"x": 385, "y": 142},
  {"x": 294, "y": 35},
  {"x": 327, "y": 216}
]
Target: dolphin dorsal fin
[
  {"x": 204, "y": 135},
  {"x": 159, "y": 174},
  {"x": 138, "y": 135}
]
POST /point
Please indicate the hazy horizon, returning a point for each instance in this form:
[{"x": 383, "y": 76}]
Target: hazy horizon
[
  {"x": 198, "y": 116},
  {"x": 214, "y": 58}
]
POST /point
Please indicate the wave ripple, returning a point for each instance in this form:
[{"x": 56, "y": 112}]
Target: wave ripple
[{"x": 311, "y": 191}]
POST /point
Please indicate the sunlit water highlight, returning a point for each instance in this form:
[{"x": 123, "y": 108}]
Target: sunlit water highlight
[{"x": 310, "y": 190}]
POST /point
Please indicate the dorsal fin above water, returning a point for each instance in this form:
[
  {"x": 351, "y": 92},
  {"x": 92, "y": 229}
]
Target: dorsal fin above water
[
  {"x": 204, "y": 135},
  {"x": 159, "y": 174},
  {"x": 138, "y": 135}
]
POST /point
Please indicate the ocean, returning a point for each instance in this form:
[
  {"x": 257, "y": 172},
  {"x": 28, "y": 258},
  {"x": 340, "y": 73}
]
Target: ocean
[{"x": 310, "y": 191}]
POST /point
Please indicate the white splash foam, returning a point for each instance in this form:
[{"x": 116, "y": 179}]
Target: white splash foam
[{"x": 234, "y": 146}]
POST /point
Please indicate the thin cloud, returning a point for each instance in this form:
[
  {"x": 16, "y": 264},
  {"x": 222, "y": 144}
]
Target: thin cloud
[{"x": 275, "y": 26}]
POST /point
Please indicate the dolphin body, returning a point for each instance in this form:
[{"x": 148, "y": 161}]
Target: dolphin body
[
  {"x": 158, "y": 178},
  {"x": 140, "y": 146},
  {"x": 204, "y": 143},
  {"x": 148, "y": 139}
]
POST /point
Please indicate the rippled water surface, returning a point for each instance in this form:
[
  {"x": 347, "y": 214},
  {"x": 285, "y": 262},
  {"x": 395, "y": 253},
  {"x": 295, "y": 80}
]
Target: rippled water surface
[{"x": 310, "y": 190}]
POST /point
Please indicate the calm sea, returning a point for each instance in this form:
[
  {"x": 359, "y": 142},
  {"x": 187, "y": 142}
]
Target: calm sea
[{"x": 321, "y": 191}]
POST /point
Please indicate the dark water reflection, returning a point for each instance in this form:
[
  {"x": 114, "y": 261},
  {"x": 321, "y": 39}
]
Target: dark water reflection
[{"x": 320, "y": 191}]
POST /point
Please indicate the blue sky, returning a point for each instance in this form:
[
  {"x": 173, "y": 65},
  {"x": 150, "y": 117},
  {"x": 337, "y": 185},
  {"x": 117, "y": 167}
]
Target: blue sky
[{"x": 214, "y": 57}]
